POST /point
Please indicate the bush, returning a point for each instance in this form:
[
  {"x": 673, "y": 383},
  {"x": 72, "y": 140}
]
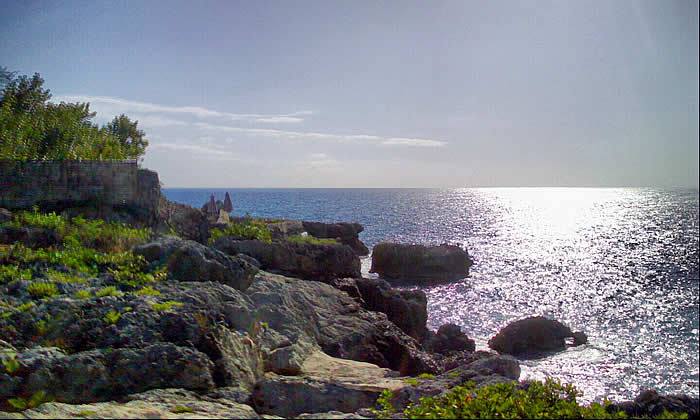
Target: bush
[
  {"x": 249, "y": 229},
  {"x": 39, "y": 290}
]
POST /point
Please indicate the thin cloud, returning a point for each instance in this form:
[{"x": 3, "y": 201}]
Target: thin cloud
[
  {"x": 262, "y": 132},
  {"x": 135, "y": 106},
  {"x": 194, "y": 148}
]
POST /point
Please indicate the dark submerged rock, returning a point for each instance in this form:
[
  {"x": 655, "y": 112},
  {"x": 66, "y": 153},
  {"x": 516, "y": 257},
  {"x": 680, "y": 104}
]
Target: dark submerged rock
[{"x": 420, "y": 264}]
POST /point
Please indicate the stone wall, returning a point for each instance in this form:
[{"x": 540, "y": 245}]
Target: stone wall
[{"x": 70, "y": 183}]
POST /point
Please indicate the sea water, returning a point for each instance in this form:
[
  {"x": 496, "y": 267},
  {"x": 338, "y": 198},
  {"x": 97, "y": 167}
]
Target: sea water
[{"x": 619, "y": 264}]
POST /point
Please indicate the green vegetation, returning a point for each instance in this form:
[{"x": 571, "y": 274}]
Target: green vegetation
[
  {"x": 86, "y": 413},
  {"x": 148, "y": 290},
  {"x": 31, "y": 128},
  {"x": 426, "y": 376},
  {"x": 165, "y": 306},
  {"x": 308, "y": 239},
  {"x": 182, "y": 409},
  {"x": 11, "y": 365},
  {"x": 112, "y": 317},
  {"x": 248, "y": 229},
  {"x": 411, "y": 381},
  {"x": 40, "y": 290},
  {"x": 81, "y": 294},
  {"x": 86, "y": 248},
  {"x": 25, "y": 306},
  {"x": 550, "y": 399},
  {"x": 108, "y": 291},
  {"x": 35, "y": 400}
]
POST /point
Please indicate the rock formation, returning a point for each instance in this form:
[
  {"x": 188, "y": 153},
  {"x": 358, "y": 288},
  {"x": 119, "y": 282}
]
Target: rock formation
[
  {"x": 401, "y": 263},
  {"x": 530, "y": 336}
]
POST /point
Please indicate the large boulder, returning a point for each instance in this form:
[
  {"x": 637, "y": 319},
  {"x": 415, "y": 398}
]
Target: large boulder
[
  {"x": 192, "y": 261},
  {"x": 530, "y": 336},
  {"x": 321, "y": 262},
  {"x": 420, "y": 264},
  {"x": 405, "y": 308},
  {"x": 189, "y": 222}
]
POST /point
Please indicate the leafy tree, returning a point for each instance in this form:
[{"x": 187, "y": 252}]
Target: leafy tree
[
  {"x": 6, "y": 76},
  {"x": 128, "y": 134},
  {"x": 31, "y": 128}
]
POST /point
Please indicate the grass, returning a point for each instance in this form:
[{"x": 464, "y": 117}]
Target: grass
[
  {"x": 248, "y": 229},
  {"x": 108, "y": 291},
  {"x": 308, "y": 239},
  {"x": 41, "y": 290},
  {"x": 148, "y": 290},
  {"x": 165, "y": 306}
]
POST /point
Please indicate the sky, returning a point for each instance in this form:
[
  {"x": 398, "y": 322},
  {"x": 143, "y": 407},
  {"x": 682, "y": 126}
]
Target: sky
[{"x": 380, "y": 94}]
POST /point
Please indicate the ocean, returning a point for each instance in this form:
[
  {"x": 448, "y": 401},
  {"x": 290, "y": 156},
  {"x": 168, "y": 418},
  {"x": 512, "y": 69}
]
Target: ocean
[{"x": 620, "y": 264}]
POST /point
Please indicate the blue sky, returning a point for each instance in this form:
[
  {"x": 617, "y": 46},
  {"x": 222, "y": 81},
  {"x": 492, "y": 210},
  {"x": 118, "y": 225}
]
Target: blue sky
[{"x": 381, "y": 94}]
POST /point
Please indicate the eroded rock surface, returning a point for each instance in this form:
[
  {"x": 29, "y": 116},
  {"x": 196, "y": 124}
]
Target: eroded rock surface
[{"x": 405, "y": 263}]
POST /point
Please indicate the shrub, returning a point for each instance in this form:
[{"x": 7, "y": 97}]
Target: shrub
[
  {"x": 39, "y": 290},
  {"x": 248, "y": 229},
  {"x": 10, "y": 273},
  {"x": 82, "y": 294},
  {"x": 148, "y": 290},
  {"x": 112, "y": 317}
]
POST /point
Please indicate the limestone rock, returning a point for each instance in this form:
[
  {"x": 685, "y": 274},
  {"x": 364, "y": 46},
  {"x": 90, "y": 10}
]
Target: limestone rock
[
  {"x": 530, "y": 336},
  {"x": 186, "y": 221},
  {"x": 192, "y": 261},
  {"x": 420, "y": 264},
  {"x": 651, "y": 404},
  {"x": 228, "y": 206},
  {"x": 324, "y": 384},
  {"x": 307, "y": 261}
]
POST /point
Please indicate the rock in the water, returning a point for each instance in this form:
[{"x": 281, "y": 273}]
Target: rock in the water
[
  {"x": 449, "y": 338},
  {"x": 530, "y": 336},
  {"x": 420, "y": 264},
  {"x": 651, "y": 404},
  {"x": 192, "y": 261},
  {"x": 304, "y": 260}
]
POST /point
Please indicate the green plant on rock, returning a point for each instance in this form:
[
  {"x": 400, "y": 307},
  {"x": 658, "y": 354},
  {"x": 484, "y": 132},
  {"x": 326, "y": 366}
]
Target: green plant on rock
[
  {"x": 25, "y": 306},
  {"x": 165, "y": 306},
  {"x": 81, "y": 294},
  {"x": 108, "y": 291},
  {"x": 35, "y": 400},
  {"x": 384, "y": 401},
  {"x": 10, "y": 273},
  {"x": 182, "y": 409},
  {"x": 11, "y": 365},
  {"x": 112, "y": 317},
  {"x": 147, "y": 290},
  {"x": 40, "y": 290},
  {"x": 308, "y": 239},
  {"x": 60, "y": 277},
  {"x": 248, "y": 229}
]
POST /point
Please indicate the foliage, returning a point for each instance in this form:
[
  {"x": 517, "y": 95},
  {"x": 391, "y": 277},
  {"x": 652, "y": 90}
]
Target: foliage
[
  {"x": 34, "y": 401},
  {"x": 40, "y": 289},
  {"x": 82, "y": 294},
  {"x": 25, "y": 306},
  {"x": 165, "y": 306},
  {"x": 182, "y": 409},
  {"x": 148, "y": 290},
  {"x": 31, "y": 128},
  {"x": 384, "y": 401},
  {"x": 426, "y": 376},
  {"x": 248, "y": 229},
  {"x": 112, "y": 317},
  {"x": 108, "y": 291},
  {"x": 11, "y": 365},
  {"x": 10, "y": 273},
  {"x": 308, "y": 239}
]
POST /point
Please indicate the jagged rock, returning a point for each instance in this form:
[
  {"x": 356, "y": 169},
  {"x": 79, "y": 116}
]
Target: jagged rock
[
  {"x": 324, "y": 384},
  {"x": 420, "y": 264},
  {"x": 307, "y": 261},
  {"x": 405, "y": 308},
  {"x": 530, "y": 336},
  {"x": 192, "y": 261},
  {"x": 651, "y": 404},
  {"x": 228, "y": 206},
  {"x": 186, "y": 221},
  {"x": 449, "y": 338},
  {"x": 157, "y": 403},
  {"x": 293, "y": 308},
  {"x": 284, "y": 228},
  {"x": 347, "y": 233}
]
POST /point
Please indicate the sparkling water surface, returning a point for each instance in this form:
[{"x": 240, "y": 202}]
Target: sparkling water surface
[{"x": 619, "y": 264}]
